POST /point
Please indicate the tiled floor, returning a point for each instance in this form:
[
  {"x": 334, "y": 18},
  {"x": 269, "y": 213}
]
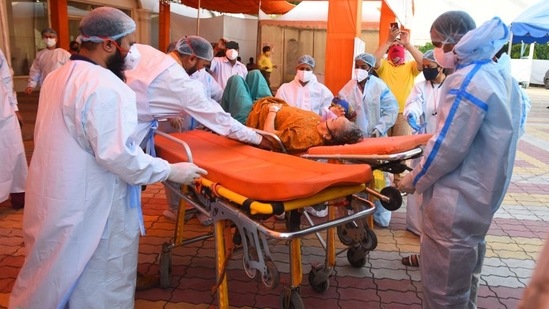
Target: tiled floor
[{"x": 514, "y": 243}]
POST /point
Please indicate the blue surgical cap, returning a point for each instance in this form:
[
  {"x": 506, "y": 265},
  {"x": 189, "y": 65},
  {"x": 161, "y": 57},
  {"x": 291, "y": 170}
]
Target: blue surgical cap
[
  {"x": 306, "y": 59},
  {"x": 195, "y": 45},
  {"x": 105, "y": 23},
  {"x": 451, "y": 26},
  {"x": 48, "y": 30},
  {"x": 430, "y": 55},
  {"x": 367, "y": 58}
]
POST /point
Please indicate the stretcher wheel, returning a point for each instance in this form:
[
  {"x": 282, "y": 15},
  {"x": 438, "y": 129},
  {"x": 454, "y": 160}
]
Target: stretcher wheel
[
  {"x": 369, "y": 242},
  {"x": 317, "y": 274},
  {"x": 165, "y": 265},
  {"x": 343, "y": 234},
  {"x": 395, "y": 198},
  {"x": 271, "y": 277},
  {"x": 356, "y": 257},
  {"x": 291, "y": 301},
  {"x": 252, "y": 255}
]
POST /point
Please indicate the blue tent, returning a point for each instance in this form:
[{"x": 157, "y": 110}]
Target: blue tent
[{"x": 532, "y": 25}]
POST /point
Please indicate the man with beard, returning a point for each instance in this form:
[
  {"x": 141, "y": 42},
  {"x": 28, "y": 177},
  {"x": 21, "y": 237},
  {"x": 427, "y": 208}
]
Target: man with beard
[
  {"x": 165, "y": 89},
  {"x": 82, "y": 218}
]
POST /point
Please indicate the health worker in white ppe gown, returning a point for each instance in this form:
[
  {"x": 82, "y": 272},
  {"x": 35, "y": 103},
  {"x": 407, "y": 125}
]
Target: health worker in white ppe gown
[
  {"x": 467, "y": 165},
  {"x": 13, "y": 162},
  {"x": 83, "y": 219}
]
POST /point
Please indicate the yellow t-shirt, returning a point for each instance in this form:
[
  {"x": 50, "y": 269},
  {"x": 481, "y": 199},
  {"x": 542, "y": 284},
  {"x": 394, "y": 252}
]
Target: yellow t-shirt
[
  {"x": 264, "y": 63},
  {"x": 400, "y": 79}
]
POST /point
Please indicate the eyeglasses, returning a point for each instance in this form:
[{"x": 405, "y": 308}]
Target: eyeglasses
[{"x": 437, "y": 44}]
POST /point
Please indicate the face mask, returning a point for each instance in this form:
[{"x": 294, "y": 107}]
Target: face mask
[
  {"x": 396, "y": 54},
  {"x": 361, "y": 74},
  {"x": 231, "y": 54},
  {"x": 132, "y": 58},
  {"x": 304, "y": 76},
  {"x": 50, "y": 42},
  {"x": 430, "y": 73},
  {"x": 446, "y": 60}
]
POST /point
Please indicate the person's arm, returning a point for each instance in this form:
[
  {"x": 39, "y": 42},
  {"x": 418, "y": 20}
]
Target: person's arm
[
  {"x": 416, "y": 53},
  {"x": 34, "y": 75},
  {"x": 382, "y": 49},
  {"x": 388, "y": 111},
  {"x": 270, "y": 119},
  {"x": 416, "y": 101}
]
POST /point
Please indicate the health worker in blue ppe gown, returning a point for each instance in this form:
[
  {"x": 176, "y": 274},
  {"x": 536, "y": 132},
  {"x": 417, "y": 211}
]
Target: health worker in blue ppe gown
[
  {"x": 82, "y": 222},
  {"x": 467, "y": 165},
  {"x": 377, "y": 110}
]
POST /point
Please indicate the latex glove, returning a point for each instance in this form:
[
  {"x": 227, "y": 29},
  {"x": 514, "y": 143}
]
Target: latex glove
[
  {"x": 406, "y": 184},
  {"x": 375, "y": 133},
  {"x": 412, "y": 121},
  {"x": 185, "y": 172}
]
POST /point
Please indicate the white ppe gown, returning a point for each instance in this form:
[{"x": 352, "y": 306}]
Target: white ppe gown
[
  {"x": 422, "y": 103},
  {"x": 314, "y": 96},
  {"x": 46, "y": 61},
  {"x": 13, "y": 163},
  {"x": 376, "y": 108},
  {"x": 81, "y": 234},
  {"x": 466, "y": 168}
]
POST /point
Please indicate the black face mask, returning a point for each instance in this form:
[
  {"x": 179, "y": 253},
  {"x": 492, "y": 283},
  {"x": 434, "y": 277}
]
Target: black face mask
[
  {"x": 430, "y": 73},
  {"x": 116, "y": 65}
]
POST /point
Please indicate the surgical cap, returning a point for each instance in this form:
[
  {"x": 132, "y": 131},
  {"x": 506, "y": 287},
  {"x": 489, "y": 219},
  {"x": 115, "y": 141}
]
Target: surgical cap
[
  {"x": 195, "y": 45},
  {"x": 48, "y": 30},
  {"x": 451, "y": 26},
  {"x": 306, "y": 59},
  {"x": 105, "y": 23},
  {"x": 430, "y": 55},
  {"x": 369, "y": 59}
]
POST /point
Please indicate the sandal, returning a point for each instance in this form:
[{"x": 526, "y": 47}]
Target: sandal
[{"x": 411, "y": 260}]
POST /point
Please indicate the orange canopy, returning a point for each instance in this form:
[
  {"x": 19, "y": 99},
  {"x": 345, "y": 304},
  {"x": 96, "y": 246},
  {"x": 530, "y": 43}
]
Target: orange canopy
[{"x": 243, "y": 6}]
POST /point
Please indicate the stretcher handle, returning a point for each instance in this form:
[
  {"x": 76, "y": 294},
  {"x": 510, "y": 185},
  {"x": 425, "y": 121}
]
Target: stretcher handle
[
  {"x": 271, "y": 137},
  {"x": 180, "y": 142},
  {"x": 380, "y": 196}
]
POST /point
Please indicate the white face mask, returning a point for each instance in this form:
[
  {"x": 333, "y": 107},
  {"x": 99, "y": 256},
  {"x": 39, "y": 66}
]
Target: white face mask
[
  {"x": 446, "y": 60},
  {"x": 304, "y": 76},
  {"x": 50, "y": 42},
  {"x": 132, "y": 58},
  {"x": 231, "y": 54},
  {"x": 361, "y": 74}
]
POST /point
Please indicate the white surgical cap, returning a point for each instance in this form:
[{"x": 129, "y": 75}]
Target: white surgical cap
[
  {"x": 195, "y": 45},
  {"x": 451, "y": 26},
  {"x": 105, "y": 23},
  {"x": 367, "y": 58},
  {"x": 306, "y": 59},
  {"x": 430, "y": 55}
]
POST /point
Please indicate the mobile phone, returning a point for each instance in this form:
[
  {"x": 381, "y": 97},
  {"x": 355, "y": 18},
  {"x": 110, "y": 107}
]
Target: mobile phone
[{"x": 394, "y": 25}]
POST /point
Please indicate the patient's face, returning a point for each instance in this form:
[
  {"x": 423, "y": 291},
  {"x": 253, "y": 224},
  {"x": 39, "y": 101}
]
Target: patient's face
[{"x": 337, "y": 124}]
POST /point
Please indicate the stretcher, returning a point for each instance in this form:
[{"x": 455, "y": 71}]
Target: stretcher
[{"x": 246, "y": 185}]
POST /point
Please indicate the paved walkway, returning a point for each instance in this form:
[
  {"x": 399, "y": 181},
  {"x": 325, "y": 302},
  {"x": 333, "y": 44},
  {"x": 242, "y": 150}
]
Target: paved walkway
[{"x": 514, "y": 243}]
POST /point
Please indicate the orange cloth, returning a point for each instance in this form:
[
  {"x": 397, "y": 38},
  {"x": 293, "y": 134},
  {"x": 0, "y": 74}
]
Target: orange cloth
[{"x": 296, "y": 127}]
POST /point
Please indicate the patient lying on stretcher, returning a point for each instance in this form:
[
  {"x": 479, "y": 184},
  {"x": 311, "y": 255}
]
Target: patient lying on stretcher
[{"x": 300, "y": 129}]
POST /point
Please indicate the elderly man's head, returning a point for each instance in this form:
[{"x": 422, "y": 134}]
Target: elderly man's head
[{"x": 107, "y": 35}]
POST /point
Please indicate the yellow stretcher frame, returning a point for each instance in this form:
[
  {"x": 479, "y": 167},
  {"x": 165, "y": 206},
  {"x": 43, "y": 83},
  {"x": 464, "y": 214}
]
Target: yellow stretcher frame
[{"x": 229, "y": 202}]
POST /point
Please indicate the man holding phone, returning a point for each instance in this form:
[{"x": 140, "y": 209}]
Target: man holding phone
[{"x": 396, "y": 72}]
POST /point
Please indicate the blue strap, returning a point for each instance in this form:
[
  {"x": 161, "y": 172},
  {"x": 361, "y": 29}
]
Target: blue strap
[
  {"x": 134, "y": 199},
  {"x": 149, "y": 147}
]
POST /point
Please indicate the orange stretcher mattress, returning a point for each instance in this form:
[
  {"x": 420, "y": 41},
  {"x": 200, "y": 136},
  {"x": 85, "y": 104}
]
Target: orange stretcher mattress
[
  {"x": 375, "y": 146},
  {"x": 259, "y": 174}
]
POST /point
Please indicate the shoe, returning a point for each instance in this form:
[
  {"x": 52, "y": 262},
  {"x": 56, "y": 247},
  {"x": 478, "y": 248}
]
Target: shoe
[
  {"x": 17, "y": 200},
  {"x": 170, "y": 215},
  {"x": 317, "y": 213},
  {"x": 281, "y": 216},
  {"x": 411, "y": 260}
]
